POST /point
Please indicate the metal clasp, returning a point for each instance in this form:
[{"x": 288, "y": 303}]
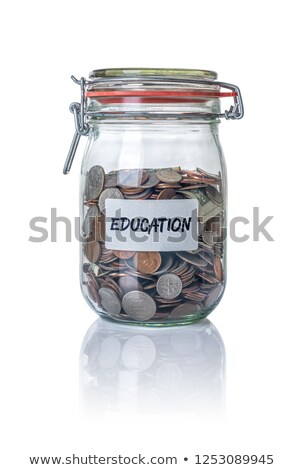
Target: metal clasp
[
  {"x": 236, "y": 111},
  {"x": 81, "y": 128}
]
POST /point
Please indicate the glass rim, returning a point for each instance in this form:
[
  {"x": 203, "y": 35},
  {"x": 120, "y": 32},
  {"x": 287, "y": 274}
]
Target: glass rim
[{"x": 124, "y": 73}]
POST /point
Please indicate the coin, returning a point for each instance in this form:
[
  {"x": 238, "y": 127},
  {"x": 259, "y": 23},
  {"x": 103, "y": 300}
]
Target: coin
[
  {"x": 166, "y": 194},
  {"x": 124, "y": 254},
  {"x": 209, "y": 175},
  {"x": 109, "y": 193},
  {"x": 151, "y": 181},
  {"x": 99, "y": 227},
  {"x": 138, "y": 305},
  {"x": 93, "y": 293},
  {"x": 173, "y": 286},
  {"x": 92, "y": 251},
  {"x": 109, "y": 301},
  {"x": 147, "y": 262},
  {"x": 166, "y": 263},
  {"x": 218, "y": 268},
  {"x": 95, "y": 182},
  {"x": 92, "y": 280},
  {"x": 111, "y": 179},
  {"x": 185, "y": 309},
  {"x": 169, "y": 286},
  {"x": 192, "y": 258},
  {"x": 89, "y": 220},
  {"x": 213, "y": 295},
  {"x": 144, "y": 194},
  {"x": 168, "y": 176}
]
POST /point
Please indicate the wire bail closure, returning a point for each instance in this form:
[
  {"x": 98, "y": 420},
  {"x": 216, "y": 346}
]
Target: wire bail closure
[{"x": 79, "y": 110}]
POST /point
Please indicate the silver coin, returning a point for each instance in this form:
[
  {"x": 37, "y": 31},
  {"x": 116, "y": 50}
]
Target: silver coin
[
  {"x": 95, "y": 182},
  {"x": 138, "y": 305},
  {"x": 152, "y": 180},
  {"x": 213, "y": 295},
  {"x": 168, "y": 176},
  {"x": 109, "y": 301},
  {"x": 109, "y": 193},
  {"x": 169, "y": 286},
  {"x": 111, "y": 179},
  {"x": 88, "y": 222}
]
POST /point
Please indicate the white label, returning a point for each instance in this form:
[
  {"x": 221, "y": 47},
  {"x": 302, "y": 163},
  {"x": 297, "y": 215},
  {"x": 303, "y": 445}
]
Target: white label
[{"x": 161, "y": 225}]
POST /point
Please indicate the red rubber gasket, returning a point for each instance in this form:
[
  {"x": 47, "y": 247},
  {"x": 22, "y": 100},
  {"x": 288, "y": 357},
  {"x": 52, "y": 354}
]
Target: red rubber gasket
[{"x": 161, "y": 94}]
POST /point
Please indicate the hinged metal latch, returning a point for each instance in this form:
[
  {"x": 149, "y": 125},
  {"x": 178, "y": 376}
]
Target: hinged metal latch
[
  {"x": 236, "y": 111},
  {"x": 81, "y": 128}
]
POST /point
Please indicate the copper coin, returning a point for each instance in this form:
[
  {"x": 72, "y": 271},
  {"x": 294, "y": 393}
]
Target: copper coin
[
  {"x": 209, "y": 175},
  {"x": 147, "y": 262},
  {"x": 144, "y": 194},
  {"x": 208, "y": 278},
  {"x": 192, "y": 258},
  {"x": 168, "y": 186},
  {"x": 187, "y": 308},
  {"x": 218, "y": 268},
  {"x": 92, "y": 251},
  {"x": 92, "y": 280},
  {"x": 124, "y": 254},
  {"x": 195, "y": 296},
  {"x": 131, "y": 190},
  {"x": 213, "y": 295},
  {"x": 93, "y": 293},
  {"x": 166, "y": 194}
]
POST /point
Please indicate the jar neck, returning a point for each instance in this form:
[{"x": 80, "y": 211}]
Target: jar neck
[{"x": 145, "y": 110}]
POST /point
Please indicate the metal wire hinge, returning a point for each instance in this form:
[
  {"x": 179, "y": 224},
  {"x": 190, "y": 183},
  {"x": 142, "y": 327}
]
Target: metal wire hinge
[
  {"x": 79, "y": 110},
  {"x": 81, "y": 128}
]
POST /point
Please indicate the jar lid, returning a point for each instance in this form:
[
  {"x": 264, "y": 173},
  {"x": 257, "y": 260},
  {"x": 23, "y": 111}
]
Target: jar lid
[
  {"x": 153, "y": 85},
  {"x": 150, "y": 72}
]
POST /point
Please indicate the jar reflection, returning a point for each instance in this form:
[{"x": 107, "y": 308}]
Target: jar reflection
[{"x": 179, "y": 369}]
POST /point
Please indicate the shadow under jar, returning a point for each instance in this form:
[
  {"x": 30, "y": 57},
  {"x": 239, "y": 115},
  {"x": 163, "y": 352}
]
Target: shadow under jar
[{"x": 152, "y": 193}]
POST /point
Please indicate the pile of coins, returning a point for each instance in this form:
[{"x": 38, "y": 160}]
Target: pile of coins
[{"x": 154, "y": 287}]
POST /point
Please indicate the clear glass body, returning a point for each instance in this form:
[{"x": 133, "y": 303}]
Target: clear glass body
[{"x": 164, "y": 154}]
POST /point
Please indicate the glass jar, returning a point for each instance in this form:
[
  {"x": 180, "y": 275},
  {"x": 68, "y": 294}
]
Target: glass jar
[{"x": 152, "y": 193}]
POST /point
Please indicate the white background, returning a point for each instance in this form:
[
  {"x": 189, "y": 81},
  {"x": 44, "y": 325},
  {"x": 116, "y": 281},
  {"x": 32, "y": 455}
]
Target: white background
[{"x": 257, "y": 45}]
